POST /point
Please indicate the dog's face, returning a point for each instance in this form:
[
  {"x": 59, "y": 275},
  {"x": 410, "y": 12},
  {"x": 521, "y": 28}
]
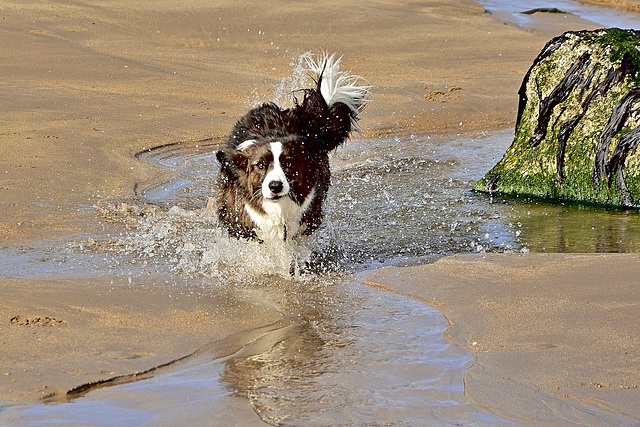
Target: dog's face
[{"x": 271, "y": 169}]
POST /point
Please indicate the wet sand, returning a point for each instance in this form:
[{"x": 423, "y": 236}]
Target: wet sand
[
  {"x": 545, "y": 330},
  {"x": 64, "y": 332},
  {"x": 86, "y": 86}
]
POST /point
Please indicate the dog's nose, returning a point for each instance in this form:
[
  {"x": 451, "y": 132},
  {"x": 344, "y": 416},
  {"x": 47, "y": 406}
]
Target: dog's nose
[{"x": 276, "y": 186}]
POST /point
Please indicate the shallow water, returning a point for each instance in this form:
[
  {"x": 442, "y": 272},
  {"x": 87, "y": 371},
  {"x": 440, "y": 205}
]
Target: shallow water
[
  {"x": 349, "y": 354},
  {"x": 606, "y": 17},
  {"x": 344, "y": 353},
  {"x": 404, "y": 201},
  {"x": 392, "y": 200}
]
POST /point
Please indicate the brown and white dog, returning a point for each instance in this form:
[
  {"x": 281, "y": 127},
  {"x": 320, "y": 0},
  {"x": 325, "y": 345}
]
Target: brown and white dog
[{"x": 275, "y": 172}]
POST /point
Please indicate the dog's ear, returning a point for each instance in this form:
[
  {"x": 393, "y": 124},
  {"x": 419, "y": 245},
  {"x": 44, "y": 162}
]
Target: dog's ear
[{"x": 233, "y": 162}]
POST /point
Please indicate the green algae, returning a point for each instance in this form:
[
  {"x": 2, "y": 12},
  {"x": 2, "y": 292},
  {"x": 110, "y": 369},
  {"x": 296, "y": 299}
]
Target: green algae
[
  {"x": 619, "y": 42},
  {"x": 610, "y": 73}
]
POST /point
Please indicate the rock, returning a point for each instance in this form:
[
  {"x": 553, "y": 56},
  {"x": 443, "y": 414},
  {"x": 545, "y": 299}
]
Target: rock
[{"x": 578, "y": 123}]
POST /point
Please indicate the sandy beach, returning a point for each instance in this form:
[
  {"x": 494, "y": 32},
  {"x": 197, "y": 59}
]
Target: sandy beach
[
  {"x": 625, "y": 5},
  {"x": 87, "y": 85}
]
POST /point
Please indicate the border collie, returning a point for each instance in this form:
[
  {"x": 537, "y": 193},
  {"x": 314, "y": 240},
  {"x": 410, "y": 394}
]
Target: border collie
[{"x": 275, "y": 172}]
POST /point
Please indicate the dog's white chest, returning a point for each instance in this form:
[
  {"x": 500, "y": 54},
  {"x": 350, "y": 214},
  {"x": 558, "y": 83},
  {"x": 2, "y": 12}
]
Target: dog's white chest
[{"x": 281, "y": 219}]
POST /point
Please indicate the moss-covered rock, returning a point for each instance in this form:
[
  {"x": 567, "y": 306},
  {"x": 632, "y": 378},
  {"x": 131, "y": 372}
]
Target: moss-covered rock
[{"x": 578, "y": 124}]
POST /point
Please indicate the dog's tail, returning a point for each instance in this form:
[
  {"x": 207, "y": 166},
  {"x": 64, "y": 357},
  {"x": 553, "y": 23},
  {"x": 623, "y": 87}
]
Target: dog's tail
[{"x": 338, "y": 86}]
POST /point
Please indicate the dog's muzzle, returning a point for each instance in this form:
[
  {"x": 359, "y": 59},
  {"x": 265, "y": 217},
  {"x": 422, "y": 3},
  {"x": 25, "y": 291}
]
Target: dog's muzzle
[{"x": 276, "y": 188}]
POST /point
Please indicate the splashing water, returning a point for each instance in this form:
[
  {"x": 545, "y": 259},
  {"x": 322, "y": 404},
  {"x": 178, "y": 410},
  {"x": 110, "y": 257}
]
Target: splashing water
[
  {"x": 192, "y": 242},
  {"x": 294, "y": 81},
  {"x": 392, "y": 201}
]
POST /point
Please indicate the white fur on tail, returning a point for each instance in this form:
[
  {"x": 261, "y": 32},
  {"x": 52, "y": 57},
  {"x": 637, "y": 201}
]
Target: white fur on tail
[{"x": 339, "y": 86}]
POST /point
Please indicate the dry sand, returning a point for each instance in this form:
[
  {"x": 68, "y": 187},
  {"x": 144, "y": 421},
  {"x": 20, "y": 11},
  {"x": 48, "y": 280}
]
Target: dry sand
[
  {"x": 86, "y": 85},
  {"x": 625, "y": 5}
]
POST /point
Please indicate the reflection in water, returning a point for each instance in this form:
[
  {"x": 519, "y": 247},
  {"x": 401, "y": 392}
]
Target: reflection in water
[
  {"x": 355, "y": 355},
  {"x": 348, "y": 354},
  {"x": 547, "y": 227}
]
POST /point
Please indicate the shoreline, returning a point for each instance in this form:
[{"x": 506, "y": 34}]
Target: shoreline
[
  {"x": 146, "y": 75},
  {"x": 66, "y": 332},
  {"x": 552, "y": 326}
]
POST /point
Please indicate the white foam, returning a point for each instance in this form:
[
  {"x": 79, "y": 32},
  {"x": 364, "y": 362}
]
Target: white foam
[
  {"x": 193, "y": 243},
  {"x": 293, "y": 82}
]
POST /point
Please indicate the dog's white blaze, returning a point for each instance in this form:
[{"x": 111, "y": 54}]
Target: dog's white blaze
[
  {"x": 281, "y": 218},
  {"x": 275, "y": 174},
  {"x": 248, "y": 143}
]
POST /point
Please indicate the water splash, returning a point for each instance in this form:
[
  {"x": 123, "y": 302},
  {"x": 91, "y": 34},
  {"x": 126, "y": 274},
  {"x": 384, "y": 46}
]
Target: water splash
[
  {"x": 192, "y": 242},
  {"x": 296, "y": 80},
  {"x": 392, "y": 201}
]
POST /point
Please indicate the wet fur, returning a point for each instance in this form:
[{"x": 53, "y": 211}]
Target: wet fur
[{"x": 306, "y": 134}]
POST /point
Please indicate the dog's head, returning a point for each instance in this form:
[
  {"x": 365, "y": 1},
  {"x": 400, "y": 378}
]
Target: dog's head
[{"x": 270, "y": 169}]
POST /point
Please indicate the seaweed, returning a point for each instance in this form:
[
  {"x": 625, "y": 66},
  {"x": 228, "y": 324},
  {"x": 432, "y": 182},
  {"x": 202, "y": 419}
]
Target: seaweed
[
  {"x": 545, "y": 10},
  {"x": 578, "y": 123}
]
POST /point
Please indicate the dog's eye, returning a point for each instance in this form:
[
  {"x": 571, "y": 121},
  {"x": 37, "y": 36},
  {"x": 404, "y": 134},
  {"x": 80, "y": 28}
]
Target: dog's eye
[
  {"x": 261, "y": 165},
  {"x": 287, "y": 164}
]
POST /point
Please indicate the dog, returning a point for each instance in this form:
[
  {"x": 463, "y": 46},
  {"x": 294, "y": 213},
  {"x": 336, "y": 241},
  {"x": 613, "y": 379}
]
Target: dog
[{"x": 274, "y": 173}]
